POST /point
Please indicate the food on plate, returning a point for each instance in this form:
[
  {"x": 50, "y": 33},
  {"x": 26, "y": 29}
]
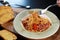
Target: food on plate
[
  {"x": 6, "y": 35},
  {"x": 35, "y": 23},
  {"x": 6, "y": 14}
]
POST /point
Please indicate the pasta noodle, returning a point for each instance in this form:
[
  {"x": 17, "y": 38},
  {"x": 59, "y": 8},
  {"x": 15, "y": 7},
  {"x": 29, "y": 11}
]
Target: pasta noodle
[{"x": 35, "y": 23}]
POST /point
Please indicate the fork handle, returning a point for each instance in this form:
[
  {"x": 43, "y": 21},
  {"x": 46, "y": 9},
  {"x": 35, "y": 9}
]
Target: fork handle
[
  {"x": 50, "y": 6},
  {"x": 44, "y": 10}
]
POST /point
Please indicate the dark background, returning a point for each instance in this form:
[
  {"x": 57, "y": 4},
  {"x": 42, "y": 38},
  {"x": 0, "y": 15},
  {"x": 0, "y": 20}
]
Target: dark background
[{"x": 42, "y": 4}]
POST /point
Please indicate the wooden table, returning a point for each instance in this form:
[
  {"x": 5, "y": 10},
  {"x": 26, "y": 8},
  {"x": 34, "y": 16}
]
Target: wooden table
[{"x": 9, "y": 26}]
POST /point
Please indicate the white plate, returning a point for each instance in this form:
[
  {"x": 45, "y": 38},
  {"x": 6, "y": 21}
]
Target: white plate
[{"x": 40, "y": 35}]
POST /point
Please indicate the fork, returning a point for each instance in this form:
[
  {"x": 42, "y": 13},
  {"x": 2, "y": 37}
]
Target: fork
[
  {"x": 27, "y": 7},
  {"x": 44, "y": 10}
]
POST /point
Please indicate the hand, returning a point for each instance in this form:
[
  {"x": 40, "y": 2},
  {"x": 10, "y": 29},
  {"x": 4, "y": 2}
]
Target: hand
[{"x": 58, "y": 3}]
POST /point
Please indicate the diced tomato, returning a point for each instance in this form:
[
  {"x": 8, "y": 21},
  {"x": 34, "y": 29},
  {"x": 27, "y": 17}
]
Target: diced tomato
[{"x": 35, "y": 26}]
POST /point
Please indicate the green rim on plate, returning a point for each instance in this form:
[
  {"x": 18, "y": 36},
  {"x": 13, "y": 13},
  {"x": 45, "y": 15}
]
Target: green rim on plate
[{"x": 19, "y": 27}]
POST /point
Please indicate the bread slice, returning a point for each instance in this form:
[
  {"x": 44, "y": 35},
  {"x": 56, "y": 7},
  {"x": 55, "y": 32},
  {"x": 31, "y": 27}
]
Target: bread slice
[
  {"x": 6, "y": 14},
  {"x": 6, "y": 35}
]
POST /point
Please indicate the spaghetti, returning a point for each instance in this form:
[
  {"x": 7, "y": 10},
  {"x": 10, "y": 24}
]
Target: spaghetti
[{"x": 35, "y": 23}]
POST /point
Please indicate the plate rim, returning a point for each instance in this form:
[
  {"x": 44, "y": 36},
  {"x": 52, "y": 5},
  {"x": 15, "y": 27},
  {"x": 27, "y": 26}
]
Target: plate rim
[{"x": 35, "y": 38}]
